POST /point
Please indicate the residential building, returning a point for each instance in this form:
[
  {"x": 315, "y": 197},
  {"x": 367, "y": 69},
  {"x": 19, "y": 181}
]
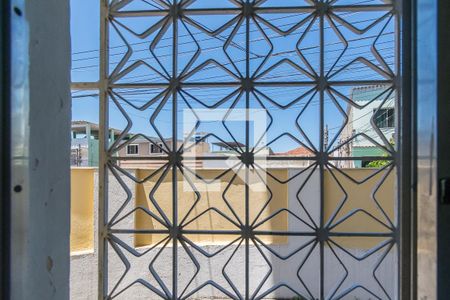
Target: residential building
[
  {"x": 85, "y": 143},
  {"x": 143, "y": 152},
  {"x": 371, "y": 124},
  {"x": 296, "y": 153}
]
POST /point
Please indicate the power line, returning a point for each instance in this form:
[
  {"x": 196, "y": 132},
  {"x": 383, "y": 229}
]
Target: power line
[
  {"x": 256, "y": 30},
  {"x": 272, "y": 55},
  {"x": 272, "y": 19},
  {"x": 275, "y": 75}
]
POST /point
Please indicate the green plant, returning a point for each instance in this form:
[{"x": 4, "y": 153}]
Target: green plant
[
  {"x": 380, "y": 163},
  {"x": 377, "y": 164}
]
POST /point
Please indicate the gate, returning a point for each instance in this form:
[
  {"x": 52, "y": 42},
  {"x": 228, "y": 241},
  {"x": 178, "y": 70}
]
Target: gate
[{"x": 258, "y": 157}]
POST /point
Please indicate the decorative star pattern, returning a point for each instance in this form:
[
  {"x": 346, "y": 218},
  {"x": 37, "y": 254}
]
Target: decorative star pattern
[{"x": 299, "y": 61}]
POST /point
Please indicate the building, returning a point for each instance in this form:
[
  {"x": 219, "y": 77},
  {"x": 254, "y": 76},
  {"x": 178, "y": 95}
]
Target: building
[
  {"x": 299, "y": 152},
  {"x": 144, "y": 153},
  {"x": 227, "y": 147},
  {"x": 376, "y": 109},
  {"x": 85, "y": 143}
]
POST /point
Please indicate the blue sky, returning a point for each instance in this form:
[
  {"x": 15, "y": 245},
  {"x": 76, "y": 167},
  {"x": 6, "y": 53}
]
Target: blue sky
[{"x": 85, "y": 44}]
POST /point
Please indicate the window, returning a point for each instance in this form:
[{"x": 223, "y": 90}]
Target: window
[
  {"x": 280, "y": 85},
  {"x": 156, "y": 148},
  {"x": 385, "y": 118},
  {"x": 132, "y": 149}
]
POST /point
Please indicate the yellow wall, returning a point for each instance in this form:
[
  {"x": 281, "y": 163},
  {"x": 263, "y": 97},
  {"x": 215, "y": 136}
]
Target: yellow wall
[
  {"x": 212, "y": 198},
  {"x": 82, "y": 210},
  {"x": 359, "y": 196}
]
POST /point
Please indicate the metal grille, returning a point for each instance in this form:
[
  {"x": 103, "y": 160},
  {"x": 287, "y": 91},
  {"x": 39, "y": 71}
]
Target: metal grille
[{"x": 315, "y": 70}]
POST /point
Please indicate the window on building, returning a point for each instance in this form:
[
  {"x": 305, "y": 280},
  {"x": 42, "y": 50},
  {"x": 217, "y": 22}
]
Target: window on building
[
  {"x": 385, "y": 118},
  {"x": 156, "y": 148},
  {"x": 132, "y": 149}
]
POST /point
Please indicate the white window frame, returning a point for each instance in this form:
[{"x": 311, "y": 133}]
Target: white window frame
[
  {"x": 130, "y": 154},
  {"x": 386, "y": 111},
  {"x": 156, "y": 145}
]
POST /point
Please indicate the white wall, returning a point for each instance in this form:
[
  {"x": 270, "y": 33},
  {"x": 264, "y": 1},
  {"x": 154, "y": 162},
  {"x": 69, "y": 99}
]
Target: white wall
[
  {"x": 41, "y": 198},
  {"x": 361, "y": 123}
]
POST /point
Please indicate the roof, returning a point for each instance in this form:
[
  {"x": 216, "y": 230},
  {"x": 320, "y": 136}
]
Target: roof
[
  {"x": 300, "y": 151},
  {"x": 371, "y": 92},
  {"x": 141, "y": 139},
  {"x": 81, "y": 124},
  {"x": 229, "y": 144}
]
